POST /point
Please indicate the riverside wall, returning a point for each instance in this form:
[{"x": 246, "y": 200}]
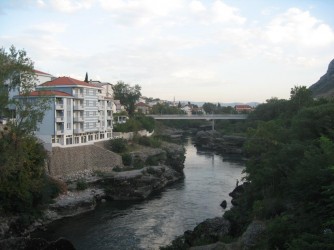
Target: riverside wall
[{"x": 68, "y": 161}]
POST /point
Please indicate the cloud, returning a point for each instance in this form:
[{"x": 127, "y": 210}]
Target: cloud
[
  {"x": 297, "y": 27},
  {"x": 69, "y": 6},
  {"x": 225, "y": 13},
  {"x": 197, "y": 7},
  {"x": 140, "y": 12}
]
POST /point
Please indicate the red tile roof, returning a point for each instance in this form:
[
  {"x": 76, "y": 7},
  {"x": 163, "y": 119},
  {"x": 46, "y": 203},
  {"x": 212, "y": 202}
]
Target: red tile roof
[
  {"x": 141, "y": 104},
  {"x": 243, "y": 107},
  {"x": 67, "y": 81},
  {"x": 48, "y": 93}
]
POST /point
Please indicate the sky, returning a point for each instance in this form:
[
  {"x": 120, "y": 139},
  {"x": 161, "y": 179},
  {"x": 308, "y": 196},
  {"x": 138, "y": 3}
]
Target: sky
[{"x": 194, "y": 50}]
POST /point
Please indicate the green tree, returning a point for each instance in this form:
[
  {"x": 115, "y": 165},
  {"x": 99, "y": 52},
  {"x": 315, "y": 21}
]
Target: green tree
[
  {"x": 209, "y": 108},
  {"x": 300, "y": 97},
  {"x": 128, "y": 95},
  {"x": 23, "y": 183},
  {"x": 17, "y": 76},
  {"x": 86, "y": 77}
]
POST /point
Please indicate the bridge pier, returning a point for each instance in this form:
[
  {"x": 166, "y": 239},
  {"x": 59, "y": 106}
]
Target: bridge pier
[{"x": 213, "y": 125}]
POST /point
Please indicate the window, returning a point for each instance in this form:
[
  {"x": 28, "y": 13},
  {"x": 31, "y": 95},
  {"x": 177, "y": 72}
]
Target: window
[
  {"x": 87, "y": 103},
  {"x": 68, "y": 141},
  {"x": 68, "y": 125}
]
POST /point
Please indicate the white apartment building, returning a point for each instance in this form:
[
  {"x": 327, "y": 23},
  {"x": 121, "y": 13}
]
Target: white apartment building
[{"x": 80, "y": 113}]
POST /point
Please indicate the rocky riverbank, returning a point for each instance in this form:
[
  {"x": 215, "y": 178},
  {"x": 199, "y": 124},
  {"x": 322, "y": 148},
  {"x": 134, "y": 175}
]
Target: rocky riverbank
[
  {"x": 86, "y": 188},
  {"x": 216, "y": 233},
  {"x": 223, "y": 144}
]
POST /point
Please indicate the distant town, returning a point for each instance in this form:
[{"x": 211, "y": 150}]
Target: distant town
[{"x": 84, "y": 112}]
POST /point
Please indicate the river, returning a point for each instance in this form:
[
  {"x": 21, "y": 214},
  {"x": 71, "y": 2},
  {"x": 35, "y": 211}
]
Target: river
[{"x": 157, "y": 221}]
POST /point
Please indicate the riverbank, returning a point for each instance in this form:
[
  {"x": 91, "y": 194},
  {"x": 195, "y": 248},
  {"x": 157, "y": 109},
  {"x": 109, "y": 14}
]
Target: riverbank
[
  {"x": 157, "y": 220},
  {"x": 83, "y": 190}
]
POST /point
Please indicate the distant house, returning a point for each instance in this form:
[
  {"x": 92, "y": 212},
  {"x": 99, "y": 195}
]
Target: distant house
[
  {"x": 42, "y": 77},
  {"x": 243, "y": 108},
  {"x": 187, "y": 109},
  {"x": 118, "y": 106},
  {"x": 142, "y": 108}
]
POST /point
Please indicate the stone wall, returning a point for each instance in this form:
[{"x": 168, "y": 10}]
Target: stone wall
[
  {"x": 130, "y": 135},
  {"x": 67, "y": 161}
]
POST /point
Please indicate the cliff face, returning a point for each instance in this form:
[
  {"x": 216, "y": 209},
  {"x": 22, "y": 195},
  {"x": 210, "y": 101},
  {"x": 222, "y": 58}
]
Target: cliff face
[{"x": 325, "y": 86}]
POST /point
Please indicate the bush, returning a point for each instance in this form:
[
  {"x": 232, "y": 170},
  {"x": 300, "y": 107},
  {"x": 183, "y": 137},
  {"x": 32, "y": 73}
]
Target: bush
[
  {"x": 149, "y": 141},
  {"x": 127, "y": 159},
  {"x": 82, "y": 185},
  {"x": 138, "y": 163},
  {"x": 118, "y": 145}
]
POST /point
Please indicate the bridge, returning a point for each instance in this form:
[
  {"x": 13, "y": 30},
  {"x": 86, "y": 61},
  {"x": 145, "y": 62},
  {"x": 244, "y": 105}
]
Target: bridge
[
  {"x": 200, "y": 117},
  {"x": 211, "y": 117}
]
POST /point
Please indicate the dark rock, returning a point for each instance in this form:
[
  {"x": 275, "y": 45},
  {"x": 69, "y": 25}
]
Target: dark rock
[
  {"x": 139, "y": 184},
  {"x": 60, "y": 244},
  {"x": 223, "y": 204},
  {"x": 237, "y": 192},
  {"x": 213, "y": 140},
  {"x": 252, "y": 234},
  {"x": 325, "y": 86},
  {"x": 209, "y": 231}
]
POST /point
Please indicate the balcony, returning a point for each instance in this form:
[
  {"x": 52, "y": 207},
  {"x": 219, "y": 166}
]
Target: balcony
[
  {"x": 109, "y": 106},
  {"x": 101, "y": 107},
  {"x": 109, "y": 117},
  {"x": 78, "y": 119},
  {"x": 60, "y": 119},
  {"x": 59, "y": 105},
  {"x": 78, "y": 95},
  {"x": 78, "y": 130},
  {"x": 78, "y": 107},
  {"x": 60, "y": 132}
]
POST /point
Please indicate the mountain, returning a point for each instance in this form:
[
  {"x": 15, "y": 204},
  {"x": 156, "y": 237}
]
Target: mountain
[{"x": 325, "y": 86}]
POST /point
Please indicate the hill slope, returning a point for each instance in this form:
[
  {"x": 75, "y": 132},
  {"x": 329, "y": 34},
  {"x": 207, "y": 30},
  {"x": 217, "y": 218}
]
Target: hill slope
[{"x": 325, "y": 86}]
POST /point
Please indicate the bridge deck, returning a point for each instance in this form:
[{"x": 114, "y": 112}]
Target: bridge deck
[{"x": 200, "y": 117}]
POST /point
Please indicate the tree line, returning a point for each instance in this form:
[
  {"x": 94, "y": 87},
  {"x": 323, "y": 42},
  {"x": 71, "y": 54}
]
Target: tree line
[{"x": 290, "y": 172}]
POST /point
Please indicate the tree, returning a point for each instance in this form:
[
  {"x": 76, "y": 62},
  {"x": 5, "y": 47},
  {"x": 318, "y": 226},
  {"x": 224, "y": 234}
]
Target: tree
[
  {"x": 300, "y": 96},
  {"x": 86, "y": 77},
  {"x": 18, "y": 78},
  {"x": 22, "y": 157},
  {"x": 209, "y": 108},
  {"x": 127, "y": 95}
]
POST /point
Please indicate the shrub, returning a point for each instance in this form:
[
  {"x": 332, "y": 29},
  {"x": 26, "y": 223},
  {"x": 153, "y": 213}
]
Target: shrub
[
  {"x": 149, "y": 141},
  {"x": 82, "y": 185},
  {"x": 138, "y": 163},
  {"x": 118, "y": 145},
  {"x": 127, "y": 159}
]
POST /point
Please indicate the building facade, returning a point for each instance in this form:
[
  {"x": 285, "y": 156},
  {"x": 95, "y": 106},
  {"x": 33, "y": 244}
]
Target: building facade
[{"x": 80, "y": 113}]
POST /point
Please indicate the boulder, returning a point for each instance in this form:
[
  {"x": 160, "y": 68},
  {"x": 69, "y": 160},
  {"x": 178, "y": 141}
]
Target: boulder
[
  {"x": 223, "y": 204},
  {"x": 252, "y": 234},
  {"x": 209, "y": 231}
]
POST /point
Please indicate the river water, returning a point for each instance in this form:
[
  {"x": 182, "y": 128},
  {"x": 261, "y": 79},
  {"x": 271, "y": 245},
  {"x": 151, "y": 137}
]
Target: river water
[{"x": 157, "y": 221}]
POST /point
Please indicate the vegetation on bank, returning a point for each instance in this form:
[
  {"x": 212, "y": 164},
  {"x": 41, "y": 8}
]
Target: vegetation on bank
[
  {"x": 291, "y": 173},
  {"x": 136, "y": 123},
  {"x": 24, "y": 186}
]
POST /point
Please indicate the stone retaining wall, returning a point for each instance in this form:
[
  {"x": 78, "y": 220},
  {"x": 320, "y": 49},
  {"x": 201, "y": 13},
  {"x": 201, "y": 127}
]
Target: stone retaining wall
[
  {"x": 67, "y": 161},
  {"x": 130, "y": 135}
]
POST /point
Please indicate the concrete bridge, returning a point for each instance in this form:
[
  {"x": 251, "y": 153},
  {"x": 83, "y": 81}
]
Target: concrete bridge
[{"x": 201, "y": 117}]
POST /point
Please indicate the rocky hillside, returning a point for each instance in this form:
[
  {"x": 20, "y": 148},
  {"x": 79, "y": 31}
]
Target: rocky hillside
[{"x": 325, "y": 86}]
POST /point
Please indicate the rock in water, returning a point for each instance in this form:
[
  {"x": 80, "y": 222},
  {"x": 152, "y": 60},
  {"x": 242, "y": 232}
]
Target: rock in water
[{"x": 223, "y": 204}]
